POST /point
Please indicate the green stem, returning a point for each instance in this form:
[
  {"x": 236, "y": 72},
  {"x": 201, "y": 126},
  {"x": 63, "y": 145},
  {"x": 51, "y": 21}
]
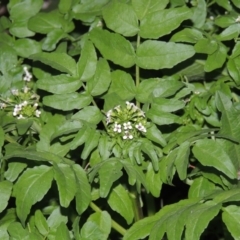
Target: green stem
[
  {"x": 3, "y": 166},
  {"x": 151, "y": 209},
  {"x": 136, "y": 205},
  {"x": 137, "y": 81},
  {"x": 115, "y": 225}
]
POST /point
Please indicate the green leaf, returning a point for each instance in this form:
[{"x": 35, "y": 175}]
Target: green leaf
[
  {"x": 153, "y": 180},
  {"x": 87, "y": 63},
  {"x": 6, "y": 191},
  {"x": 99, "y": 84},
  {"x": 59, "y": 84},
  {"x": 231, "y": 218},
  {"x": 236, "y": 3},
  {"x": 19, "y": 29},
  {"x": 59, "y": 61},
  {"x": 225, "y": 20},
  {"x": 155, "y": 135},
  {"x": 56, "y": 218},
  {"x": 24, "y": 10},
  {"x": 182, "y": 160},
  {"x": 141, "y": 229},
  {"x": 167, "y": 168},
  {"x": 35, "y": 155},
  {"x": 75, "y": 227},
  {"x": 187, "y": 35},
  {"x": 236, "y": 50},
  {"x": 90, "y": 143},
  {"x": 68, "y": 101},
  {"x": 17, "y": 232},
  {"x": 120, "y": 201},
  {"x": 144, "y": 7},
  {"x": 80, "y": 137},
  {"x": 148, "y": 148},
  {"x": 105, "y": 146},
  {"x": 230, "y": 127},
  {"x": 163, "y": 22},
  {"x": 4, "y": 234},
  {"x": 98, "y": 226},
  {"x": 199, "y": 14},
  {"x": 161, "y": 118},
  {"x": 122, "y": 85},
  {"x": 160, "y": 87},
  {"x": 158, "y": 55},
  {"x": 121, "y": 18},
  {"x": 201, "y": 187},
  {"x": 64, "y": 5},
  {"x": 171, "y": 220},
  {"x": 210, "y": 153},
  {"x": 88, "y": 10},
  {"x": 31, "y": 188},
  {"x": 41, "y": 223},
  {"x": 206, "y": 46},
  {"x": 145, "y": 89},
  {"x": 66, "y": 183},
  {"x": 8, "y": 58},
  {"x": 62, "y": 232},
  {"x": 216, "y": 60},
  {"x": 232, "y": 68},
  {"x": 199, "y": 218},
  {"x": 1, "y": 137},
  {"x": 52, "y": 39},
  {"x": 90, "y": 114},
  {"x": 108, "y": 174},
  {"x": 23, "y": 125},
  {"x": 46, "y": 22},
  {"x": 27, "y": 47},
  {"x": 225, "y": 4},
  {"x": 13, "y": 171},
  {"x": 230, "y": 32},
  {"x": 135, "y": 175},
  {"x": 113, "y": 47},
  {"x": 83, "y": 194},
  {"x": 167, "y": 105}
]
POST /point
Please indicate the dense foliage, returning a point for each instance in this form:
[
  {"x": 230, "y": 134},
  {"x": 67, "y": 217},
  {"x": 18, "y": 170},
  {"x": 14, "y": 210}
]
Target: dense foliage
[{"x": 120, "y": 119}]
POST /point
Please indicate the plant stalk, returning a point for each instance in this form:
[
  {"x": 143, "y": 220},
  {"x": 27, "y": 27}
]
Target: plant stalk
[
  {"x": 137, "y": 70},
  {"x": 115, "y": 225}
]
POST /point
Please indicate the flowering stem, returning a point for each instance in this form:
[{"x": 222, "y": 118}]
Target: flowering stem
[
  {"x": 3, "y": 166},
  {"x": 115, "y": 225},
  {"x": 136, "y": 205},
  {"x": 137, "y": 81}
]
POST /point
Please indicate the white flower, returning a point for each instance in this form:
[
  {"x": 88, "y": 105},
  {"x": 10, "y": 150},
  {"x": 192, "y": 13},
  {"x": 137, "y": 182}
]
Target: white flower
[
  {"x": 127, "y": 126},
  {"x": 2, "y": 105},
  {"x": 127, "y": 135},
  {"x": 37, "y": 113},
  {"x": 25, "y": 89},
  {"x": 140, "y": 127},
  {"x": 237, "y": 20},
  {"x": 20, "y": 117},
  {"x": 108, "y": 114},
  {"x": 35, "y": 105},
  {"x": 28, "y": 75},
  {"x": 14, "y": 92},
  {"x": 117, "y": 128}
]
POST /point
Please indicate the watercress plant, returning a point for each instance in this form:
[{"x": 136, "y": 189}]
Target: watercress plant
[{"x": 111, "y": 108}]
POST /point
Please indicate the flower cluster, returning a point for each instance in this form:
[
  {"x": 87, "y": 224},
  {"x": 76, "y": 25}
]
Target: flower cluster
[
  {"x": 22, "y": 103},
  {"x": 126, "y": 122}
]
